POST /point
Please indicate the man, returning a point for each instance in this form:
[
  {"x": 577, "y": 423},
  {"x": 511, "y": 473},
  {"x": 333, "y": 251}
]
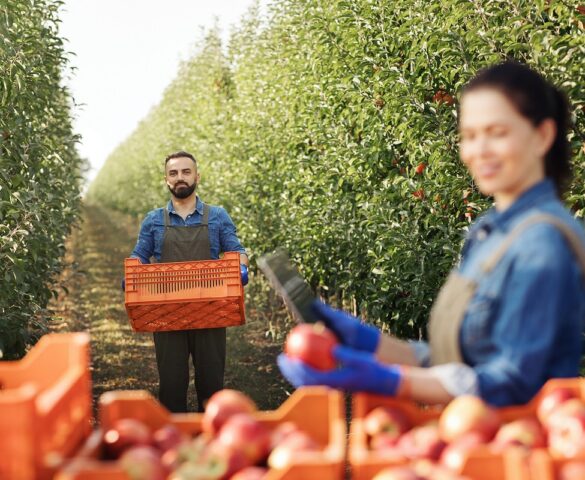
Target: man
[{"x": 185, "y": 230}]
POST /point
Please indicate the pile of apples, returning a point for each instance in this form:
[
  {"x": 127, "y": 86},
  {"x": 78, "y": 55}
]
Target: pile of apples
[
  {"x": 232, "y": 444},
  {"x": 437, "y": 449}
]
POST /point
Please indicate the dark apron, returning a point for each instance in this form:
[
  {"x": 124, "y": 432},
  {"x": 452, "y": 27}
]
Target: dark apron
[
  {"x": 451, "y": 304},
  {"x": 206, "y": 346}
]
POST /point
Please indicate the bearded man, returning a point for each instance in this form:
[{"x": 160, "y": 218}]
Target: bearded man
[{"x": 188, "y": 229}]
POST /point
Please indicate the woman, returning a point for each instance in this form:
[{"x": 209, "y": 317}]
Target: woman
[{"x": 511, "y": 315}]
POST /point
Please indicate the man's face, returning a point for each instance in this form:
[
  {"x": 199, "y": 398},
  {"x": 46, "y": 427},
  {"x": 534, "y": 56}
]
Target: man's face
[{"x": 181, "y": 176}]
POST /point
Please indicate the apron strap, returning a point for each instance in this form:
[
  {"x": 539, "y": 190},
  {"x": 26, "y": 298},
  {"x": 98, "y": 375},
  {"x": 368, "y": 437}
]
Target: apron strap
[
  {"x": 205, "y": 219},
  {"x": 571, "y": 237},
  {"x": 166, "y": 217}
]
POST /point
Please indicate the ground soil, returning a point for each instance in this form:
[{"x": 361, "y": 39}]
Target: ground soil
[{"x": 122, "y": 359}]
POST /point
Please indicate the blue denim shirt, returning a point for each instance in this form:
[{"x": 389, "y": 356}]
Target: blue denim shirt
[
  {"x": 525, "y": 322},
  {"x": 222, "y": 231}
]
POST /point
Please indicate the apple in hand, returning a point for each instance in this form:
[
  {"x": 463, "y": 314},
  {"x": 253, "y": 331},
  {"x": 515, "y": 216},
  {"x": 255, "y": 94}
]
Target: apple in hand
[
  {"x": 525, "y": 432},
  {"x": 422, "y": 441},
  {"x": 467, "y": 414},
  {"x": 222, "y": 405},
  {"x": 243, "y": 432},
  {"x": 551, "y": 400},
  {"x": 125, "y": 433},
  {"x": 142, "y": 462},
  {"x": 312, "y": 343},
  {"x": 389, "y": 421}
]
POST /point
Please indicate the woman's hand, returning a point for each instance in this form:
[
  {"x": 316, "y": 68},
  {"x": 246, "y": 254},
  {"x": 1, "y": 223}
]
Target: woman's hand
[
  {"x": 357, "y": 371},
  {"x": 349, "y": 330}
]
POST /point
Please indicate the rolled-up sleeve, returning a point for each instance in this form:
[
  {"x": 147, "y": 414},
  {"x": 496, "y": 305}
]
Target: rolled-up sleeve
[
  {"x": 228, "y": 239},
  {"x": 144, "y": 248},
  {"x": 534, "y": 314}
]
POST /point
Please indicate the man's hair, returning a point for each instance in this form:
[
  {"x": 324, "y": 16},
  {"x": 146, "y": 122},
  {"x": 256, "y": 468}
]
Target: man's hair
[{"x": 180, "y": 154}]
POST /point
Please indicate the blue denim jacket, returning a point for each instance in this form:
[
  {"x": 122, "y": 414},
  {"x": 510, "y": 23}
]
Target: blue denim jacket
[
  {"x": 525, "y": 322},
  {"x": 222, "y": 231}
]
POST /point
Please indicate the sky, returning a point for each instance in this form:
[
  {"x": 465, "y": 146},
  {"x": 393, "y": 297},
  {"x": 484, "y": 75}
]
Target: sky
[{"x": 126, "y": 52}]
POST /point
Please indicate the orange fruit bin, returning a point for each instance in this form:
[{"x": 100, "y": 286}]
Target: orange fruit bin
[
  {"x": 45, "y": 406},
  {"x": 184, "y": 295},
  {"x": 481, "y": 463},
  {"x": 319, "y": 411}
]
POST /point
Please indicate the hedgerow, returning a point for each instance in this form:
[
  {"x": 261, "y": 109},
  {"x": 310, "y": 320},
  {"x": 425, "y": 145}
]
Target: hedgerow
[
  {"x": 39, "y": 168},
  {"x": 330, "y": 128}
]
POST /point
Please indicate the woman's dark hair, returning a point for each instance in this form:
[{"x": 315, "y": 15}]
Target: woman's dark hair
[{"x": 536, "y": 99}]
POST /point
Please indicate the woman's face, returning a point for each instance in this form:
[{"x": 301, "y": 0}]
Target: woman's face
[{"x": 502, "y": 150}]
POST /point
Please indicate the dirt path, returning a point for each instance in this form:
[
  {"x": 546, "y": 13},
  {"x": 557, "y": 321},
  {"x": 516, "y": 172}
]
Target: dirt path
[{"x": 123, "y": 359}]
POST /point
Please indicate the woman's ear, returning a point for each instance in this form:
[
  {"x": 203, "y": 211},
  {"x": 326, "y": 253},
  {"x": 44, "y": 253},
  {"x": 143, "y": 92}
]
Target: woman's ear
[{"x": 547, "y": 133}]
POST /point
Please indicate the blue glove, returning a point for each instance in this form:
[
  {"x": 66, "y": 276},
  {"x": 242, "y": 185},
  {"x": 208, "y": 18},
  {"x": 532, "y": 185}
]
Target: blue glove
[
  {"x": 123, "y": 285},
  {"x": 349, "y": 329},
  {"x": 358, "y": 372},
  {"x": 244, "y": 274}
]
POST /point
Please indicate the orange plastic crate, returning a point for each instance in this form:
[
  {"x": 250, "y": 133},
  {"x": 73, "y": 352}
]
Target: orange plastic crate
[
  {"x": 184, "y": 295},
  {"x": 542, "y": 465},
  {"x": 45, "y": 406},
  {"x": 481, "y": 463},
  {"x": 318, "y": 410}
]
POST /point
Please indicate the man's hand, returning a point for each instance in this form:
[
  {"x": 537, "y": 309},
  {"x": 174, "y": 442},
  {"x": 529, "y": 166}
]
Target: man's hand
[
  {"x": 244, "y": 274},
  {"x": 349, "y": 329},
  {"x": 357, "y": 372}
]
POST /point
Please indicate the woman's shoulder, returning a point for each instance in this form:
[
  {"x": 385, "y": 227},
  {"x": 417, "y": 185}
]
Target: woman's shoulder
[{"x": 546, "y": 238}]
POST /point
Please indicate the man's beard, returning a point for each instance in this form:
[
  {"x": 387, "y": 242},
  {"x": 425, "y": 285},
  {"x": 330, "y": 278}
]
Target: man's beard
[{"x": 183, "y": 192}]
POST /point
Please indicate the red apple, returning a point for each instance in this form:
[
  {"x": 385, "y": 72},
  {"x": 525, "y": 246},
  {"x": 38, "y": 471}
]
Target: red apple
[
  {"x": 420, "y": 168},
  {"x": 386, "y": 442},
  {"x": 571, "y": 407},
  {"x": 286, "y": 450},
  {"x": 524, "y": 432},
  {"x": 566, "y": 435},
  {"x": 397, "y": 473},
  {"x": 142, "y": 463},
  {"x": 226, "y": 458},
  {"x": 422, "y": 441},
  {"x": 467, "y": 414},
  {"x": 281, "y": 431},
  {"x": 551, "y": 400},
  {"x": 166, "y": 437},
  {"x": 455, "y": 453},
  {"x": 251, "y": 473},
  {"x": 245, "y": 433},
  {"x": 429, "y": 470},
  {"x": 312, "y": 343},
  {"x": 573, "y": 470},
  {"x": 388, "y": 420},
  {"x": 222, "y": 405},
  {"x": 125, "y": 433}
]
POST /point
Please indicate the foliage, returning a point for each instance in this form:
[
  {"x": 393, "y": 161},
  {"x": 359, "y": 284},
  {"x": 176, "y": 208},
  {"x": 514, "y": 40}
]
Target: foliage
[
  {"x": 330, "y": 128},
  {"x": 39, "y": 168}
]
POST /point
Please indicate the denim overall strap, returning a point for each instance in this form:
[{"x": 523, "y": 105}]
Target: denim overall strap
[{"x": 453, "y": 299}]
